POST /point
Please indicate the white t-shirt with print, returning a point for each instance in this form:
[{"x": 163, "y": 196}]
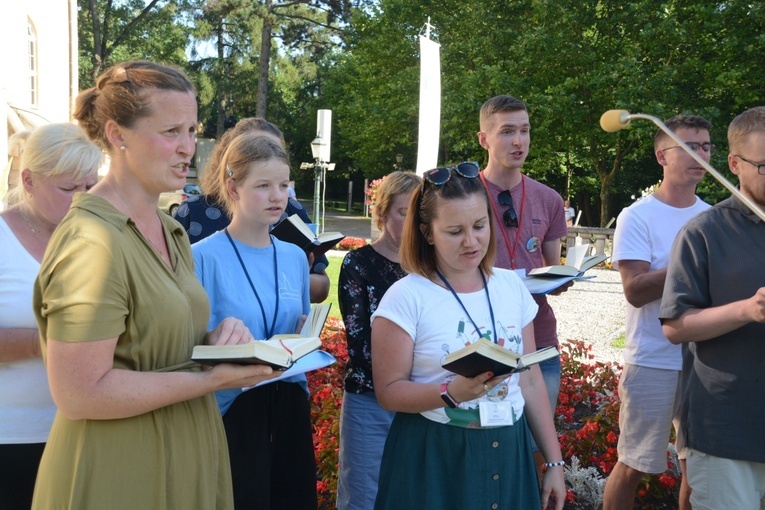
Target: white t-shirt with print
[{"x": 438, "y": 325}]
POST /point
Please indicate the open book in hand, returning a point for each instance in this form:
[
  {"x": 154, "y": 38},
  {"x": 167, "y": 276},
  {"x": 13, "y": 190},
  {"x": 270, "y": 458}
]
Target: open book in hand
[
  {"x": 279, "y": 351},
  {"x": 577, "y": 262},
  {"x": 294, "y": 230},
  {"x": 485, "y": 356}
]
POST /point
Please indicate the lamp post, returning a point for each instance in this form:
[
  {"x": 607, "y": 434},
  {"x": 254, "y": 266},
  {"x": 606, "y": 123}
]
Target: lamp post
[
  {"x": 316, "y": 146},
  {"x": 399, "y": 160}
]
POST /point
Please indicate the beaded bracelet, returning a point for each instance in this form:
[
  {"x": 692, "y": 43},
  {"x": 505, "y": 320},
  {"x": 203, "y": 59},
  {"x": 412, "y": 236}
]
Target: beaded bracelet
[{"x": 553, "y": 464}]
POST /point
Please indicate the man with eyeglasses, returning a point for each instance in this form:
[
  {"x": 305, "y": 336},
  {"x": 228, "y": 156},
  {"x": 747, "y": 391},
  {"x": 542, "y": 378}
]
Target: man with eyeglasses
[
  {"x": 648, "y": 385},
  {"x": 529, "y": 216},
  {"x": 714, "y": 303}
]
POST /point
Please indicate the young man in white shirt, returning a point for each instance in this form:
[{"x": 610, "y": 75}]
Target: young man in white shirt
[{"x": 644, "y": 235}]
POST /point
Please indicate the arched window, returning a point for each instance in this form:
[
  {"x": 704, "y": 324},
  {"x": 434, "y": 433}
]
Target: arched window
[{"x": 32, "y": 55}]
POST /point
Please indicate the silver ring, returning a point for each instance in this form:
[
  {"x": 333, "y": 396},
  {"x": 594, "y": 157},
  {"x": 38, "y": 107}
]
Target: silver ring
[{"x": 486, "y": 387}]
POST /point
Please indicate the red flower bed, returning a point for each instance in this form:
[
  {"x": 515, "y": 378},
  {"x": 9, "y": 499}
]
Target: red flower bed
[
  {"x": 326, "y": 387},
  {"x": 587, "y": 420},
  {"x": 350, "y": 244}
]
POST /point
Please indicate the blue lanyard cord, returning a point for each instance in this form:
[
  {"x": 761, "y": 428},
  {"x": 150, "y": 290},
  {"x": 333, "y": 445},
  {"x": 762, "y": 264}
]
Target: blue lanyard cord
[
  {"x": 269, "y": 331},
  {"x": 491, "y": 310}
]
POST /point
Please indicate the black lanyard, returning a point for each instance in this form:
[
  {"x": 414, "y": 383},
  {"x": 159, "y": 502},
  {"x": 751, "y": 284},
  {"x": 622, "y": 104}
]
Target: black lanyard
[
  {"x": 269, "y": 331},
  {"x": 491, "y": 310}
]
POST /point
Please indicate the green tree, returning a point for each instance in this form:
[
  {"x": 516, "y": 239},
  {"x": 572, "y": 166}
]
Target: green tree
[
  {"x": 249, "y": 37},
  {"x": 112, "y": 31}
]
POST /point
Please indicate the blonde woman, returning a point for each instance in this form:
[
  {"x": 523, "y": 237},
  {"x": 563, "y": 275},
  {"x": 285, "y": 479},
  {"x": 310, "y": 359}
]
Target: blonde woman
[
  {"x": 250, "y": 274},
  {"x": 59, "y": 161},
  {"x": 365, "y": 276}
]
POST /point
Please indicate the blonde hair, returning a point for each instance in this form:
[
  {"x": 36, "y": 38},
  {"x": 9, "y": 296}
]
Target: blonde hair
[
  {"x": 392, "y": 186},
  {"x": 122, "y": 94},
  {"x": 253, "y": 125},
  {"x": 746, "y": 123},
  {"x": 418, "y": 256},
  {"x": 57, "y": 149},
  {"x": 242, "y": 152}
]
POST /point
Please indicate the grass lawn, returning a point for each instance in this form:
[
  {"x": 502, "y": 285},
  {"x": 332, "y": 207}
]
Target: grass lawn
[{"x": 333, "y": 271}]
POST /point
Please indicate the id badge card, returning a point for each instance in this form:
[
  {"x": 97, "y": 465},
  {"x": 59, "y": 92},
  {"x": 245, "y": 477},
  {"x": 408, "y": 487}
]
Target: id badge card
[{"x": 495, "y": 414}]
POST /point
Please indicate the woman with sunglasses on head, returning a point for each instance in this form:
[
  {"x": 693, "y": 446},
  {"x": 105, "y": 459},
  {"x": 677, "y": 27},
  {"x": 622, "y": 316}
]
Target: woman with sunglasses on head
[
  {"x": 251, "y": 274},
  {"x": 444, "y": 450}
]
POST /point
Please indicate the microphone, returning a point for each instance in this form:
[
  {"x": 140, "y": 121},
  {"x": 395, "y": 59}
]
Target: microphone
[{"x": 614, "y": 120}]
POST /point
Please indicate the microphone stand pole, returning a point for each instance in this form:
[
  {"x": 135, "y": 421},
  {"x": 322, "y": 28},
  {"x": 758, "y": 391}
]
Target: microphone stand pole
[{"x": 614, "y": 120}]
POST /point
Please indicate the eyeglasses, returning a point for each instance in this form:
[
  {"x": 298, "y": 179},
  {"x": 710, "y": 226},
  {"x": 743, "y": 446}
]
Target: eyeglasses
[
  {"x": 759, "y": 166},
  {"x": 694, "y": 146},
  {"x": 440, "y": 176},
  {"x": 509, "y": 218}
]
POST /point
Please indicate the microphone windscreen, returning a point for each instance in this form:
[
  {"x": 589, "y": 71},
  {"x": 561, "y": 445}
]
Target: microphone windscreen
[{"x": 614, "y": 120}]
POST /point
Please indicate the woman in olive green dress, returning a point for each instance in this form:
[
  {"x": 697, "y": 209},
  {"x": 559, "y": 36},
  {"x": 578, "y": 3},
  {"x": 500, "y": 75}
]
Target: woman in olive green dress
[{"x": 120, "y": 309}]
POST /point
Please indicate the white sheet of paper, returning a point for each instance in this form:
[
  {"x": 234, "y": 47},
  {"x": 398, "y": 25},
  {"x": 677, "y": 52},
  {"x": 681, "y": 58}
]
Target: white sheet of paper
[{"x": 309, "y": 362}]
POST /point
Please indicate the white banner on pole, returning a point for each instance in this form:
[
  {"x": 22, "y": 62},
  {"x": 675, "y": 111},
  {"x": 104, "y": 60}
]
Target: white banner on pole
[{"x": 430, "y": 105}]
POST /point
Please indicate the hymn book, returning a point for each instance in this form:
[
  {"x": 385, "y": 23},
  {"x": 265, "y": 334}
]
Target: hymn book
[
  {"x": 280, "y": 351},
  {"x": 294, "y": 230},
  {"x": 485, "y": 356},
  {"x": 577, "y": 262}
]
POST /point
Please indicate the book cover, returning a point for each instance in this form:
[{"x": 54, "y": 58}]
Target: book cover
[
  {"x": 485, "y": 356},
  {"x": 294, "y": 230},
  {"x": 279, "y": 351},
  {"x": 545, "y": 285},
  {"x": 577, "y": 262}
]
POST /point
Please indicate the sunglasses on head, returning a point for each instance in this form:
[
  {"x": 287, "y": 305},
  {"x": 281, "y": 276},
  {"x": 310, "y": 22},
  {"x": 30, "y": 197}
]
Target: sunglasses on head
[
  {"x": 440, "y": 176},
  {"x": 509, "y": 218}
]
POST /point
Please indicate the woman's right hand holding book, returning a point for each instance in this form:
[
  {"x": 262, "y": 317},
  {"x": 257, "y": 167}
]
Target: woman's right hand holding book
[
  {"x": 464, "y": 389},
  {"x": 229, "y": 375},
  {"x": 230, "y": 331}
]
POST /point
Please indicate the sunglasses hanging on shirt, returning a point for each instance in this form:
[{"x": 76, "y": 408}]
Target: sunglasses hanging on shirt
[{"x": 510, "y": 218}]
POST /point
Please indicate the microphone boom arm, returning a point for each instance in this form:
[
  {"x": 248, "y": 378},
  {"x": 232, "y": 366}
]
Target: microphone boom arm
[{"x": 614, "y": 120}]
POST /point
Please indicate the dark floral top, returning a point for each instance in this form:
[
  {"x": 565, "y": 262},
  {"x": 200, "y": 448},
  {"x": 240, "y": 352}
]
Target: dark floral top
[{"x": 364, "y": 278}]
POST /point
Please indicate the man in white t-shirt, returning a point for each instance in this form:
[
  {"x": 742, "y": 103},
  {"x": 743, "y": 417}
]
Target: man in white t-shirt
[
  {"x": 569, "y": 212},
  {"x": 644, "y": 235}
]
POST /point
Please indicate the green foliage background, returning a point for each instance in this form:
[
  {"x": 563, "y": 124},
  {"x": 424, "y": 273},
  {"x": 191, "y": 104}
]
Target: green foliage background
[{"x": 569, "y": 61}]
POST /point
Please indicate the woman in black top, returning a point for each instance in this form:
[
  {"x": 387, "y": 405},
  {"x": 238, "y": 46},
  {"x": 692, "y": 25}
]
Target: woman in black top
[{"x": 365, "y": 276}]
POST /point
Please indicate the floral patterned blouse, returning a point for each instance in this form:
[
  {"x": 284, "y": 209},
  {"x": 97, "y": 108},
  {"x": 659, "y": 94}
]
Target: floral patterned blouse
[{"x": 364, "y": 278}]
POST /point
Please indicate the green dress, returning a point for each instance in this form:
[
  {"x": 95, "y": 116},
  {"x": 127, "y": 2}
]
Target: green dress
[{"x": 101, "y": 278}]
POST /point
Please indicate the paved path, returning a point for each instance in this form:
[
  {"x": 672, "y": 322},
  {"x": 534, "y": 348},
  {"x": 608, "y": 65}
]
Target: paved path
[
  {"x": 592, "y": 310},
  {"x": 350, "y": 224}
]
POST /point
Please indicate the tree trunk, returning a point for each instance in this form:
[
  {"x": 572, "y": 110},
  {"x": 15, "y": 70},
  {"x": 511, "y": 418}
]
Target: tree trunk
[
  {"x": 220, "y": 127},
  {"x": 261, "y": 106},
  {"x": 605, "y": 195},
  {"x": 96, "y": 58}
]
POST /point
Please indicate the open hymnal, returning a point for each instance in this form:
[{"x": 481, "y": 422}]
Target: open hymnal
[
  {"x": 485, "y": 356},
  {"x": 294, "y": 230},
  {"x": 578, "y": 261},
  {"x": 279, "y": 351}
]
